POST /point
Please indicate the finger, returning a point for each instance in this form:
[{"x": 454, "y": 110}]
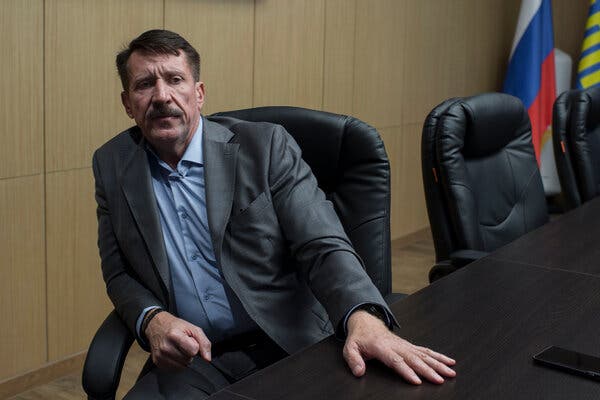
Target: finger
[
  {"x": 438, "y": 356},
  {"x": 397, "y": 363},
  {"x": 419, "y": 366},
  {"x": 204, "y": 345},
  {"x": 438, "y": 366},
  {"x": 354, "y": 359},
  {"x": 187, "y": 345}
]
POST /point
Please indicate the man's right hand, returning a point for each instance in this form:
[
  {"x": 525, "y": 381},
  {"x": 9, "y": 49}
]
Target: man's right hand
[{"x": 174, "y": 342}]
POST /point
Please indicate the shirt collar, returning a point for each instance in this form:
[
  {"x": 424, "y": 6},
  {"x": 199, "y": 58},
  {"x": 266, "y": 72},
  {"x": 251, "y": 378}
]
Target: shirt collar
[{"x": 193, "y": 153}]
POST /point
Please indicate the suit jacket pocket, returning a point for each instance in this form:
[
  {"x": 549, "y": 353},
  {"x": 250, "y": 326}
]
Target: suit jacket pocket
[
  {"x": 252, "y": 235},
  {"x": 252, "y": 212},
  {"x": 320, "y": 312}
]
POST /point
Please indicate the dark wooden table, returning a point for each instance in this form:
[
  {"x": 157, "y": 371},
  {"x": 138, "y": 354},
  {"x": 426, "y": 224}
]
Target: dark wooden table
[
  {"x": 571, "y": 242},
  {"x": 492, "y": 316}
]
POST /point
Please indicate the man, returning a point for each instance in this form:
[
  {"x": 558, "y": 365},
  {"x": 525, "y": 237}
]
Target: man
[{"x": 218, "y": 249}]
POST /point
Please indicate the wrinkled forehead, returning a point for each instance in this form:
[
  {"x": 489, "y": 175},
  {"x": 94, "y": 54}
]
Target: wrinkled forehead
[{"x": 146, "y": 63}]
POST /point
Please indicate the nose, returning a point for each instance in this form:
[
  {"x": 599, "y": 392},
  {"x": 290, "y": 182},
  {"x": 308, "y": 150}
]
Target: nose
[{"x": 161, "y": 92}]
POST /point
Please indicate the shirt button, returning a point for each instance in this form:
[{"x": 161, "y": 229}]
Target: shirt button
[
  {"x": 195, "y": 257},
  {"x": 183, "y": 215},
  {"x": 207, "y": 297}
]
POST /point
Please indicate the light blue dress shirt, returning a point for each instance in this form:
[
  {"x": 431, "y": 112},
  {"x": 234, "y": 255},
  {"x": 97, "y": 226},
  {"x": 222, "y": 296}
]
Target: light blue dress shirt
[{"x": 202, "y": 296}]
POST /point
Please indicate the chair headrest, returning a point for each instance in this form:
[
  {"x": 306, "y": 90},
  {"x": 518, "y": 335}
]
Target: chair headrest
[
  {"x": 588, "y": 106},
  {"x": 481, "y": 123}
]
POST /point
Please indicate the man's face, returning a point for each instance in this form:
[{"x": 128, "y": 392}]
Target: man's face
[{"x": 163, "y": 98}]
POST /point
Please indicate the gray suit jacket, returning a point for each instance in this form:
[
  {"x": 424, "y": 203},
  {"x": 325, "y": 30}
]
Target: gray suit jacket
[{"x": 277, "y": 240}]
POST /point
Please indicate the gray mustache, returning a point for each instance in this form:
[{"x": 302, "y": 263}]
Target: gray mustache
[{"x": 163, "y": 112}]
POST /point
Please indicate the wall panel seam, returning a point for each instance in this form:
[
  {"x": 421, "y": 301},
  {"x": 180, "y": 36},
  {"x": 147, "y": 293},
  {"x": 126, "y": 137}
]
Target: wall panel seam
[
  {"x": 8, "y": 178},
  {"x": 354, "y": 58},
  {"x": 254, "y": 55},
  {"x": 44, "y": 168},
  {"x": 323, "y": 55},
  {"x": 58, "y": 171}
]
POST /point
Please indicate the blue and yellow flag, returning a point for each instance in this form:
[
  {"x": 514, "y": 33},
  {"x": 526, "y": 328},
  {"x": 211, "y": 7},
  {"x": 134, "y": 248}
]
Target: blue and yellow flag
[{"x": 588, "y": 72}]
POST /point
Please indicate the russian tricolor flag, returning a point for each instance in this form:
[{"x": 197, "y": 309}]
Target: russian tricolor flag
[{"x": 530, "y": 74}]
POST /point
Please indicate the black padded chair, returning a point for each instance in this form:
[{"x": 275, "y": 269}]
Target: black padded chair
[
  {"x": 349, "y": 160},
  {"x": 482, "y": 184},
  {"x": 576, "y": 138}
]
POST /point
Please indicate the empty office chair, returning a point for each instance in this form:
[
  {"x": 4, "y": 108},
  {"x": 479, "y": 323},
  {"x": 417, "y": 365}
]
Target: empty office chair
[
  {"x": 349, "y": 160},
  {"x": 576, "y": 137},
  {"x": 482, "y": 184}
]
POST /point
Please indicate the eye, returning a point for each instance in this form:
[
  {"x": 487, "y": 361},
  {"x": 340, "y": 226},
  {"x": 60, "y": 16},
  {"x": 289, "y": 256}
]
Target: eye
[
  {"x": 145, "y": 84},
  {"x": 176, "y": 79}
]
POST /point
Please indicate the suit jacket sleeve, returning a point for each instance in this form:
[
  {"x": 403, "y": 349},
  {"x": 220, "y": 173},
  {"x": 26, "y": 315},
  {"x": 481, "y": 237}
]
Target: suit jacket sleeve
[
  {"x": 319, "y": 244},
  {"x": 126, "y": 292}
]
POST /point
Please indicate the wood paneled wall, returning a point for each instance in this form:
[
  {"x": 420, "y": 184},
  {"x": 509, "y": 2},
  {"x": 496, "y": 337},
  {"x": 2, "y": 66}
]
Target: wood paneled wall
[
  {"x": 23, "y": 341},
  {"x": 387, "y": 62}
]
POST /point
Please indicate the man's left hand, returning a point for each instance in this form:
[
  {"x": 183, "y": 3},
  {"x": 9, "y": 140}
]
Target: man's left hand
[{"x": 369, "y": 338}]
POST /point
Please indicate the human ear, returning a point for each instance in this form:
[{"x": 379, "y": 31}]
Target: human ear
[
  {"x": 126, "y": 103},
  {"x": 200, "y": 94}
]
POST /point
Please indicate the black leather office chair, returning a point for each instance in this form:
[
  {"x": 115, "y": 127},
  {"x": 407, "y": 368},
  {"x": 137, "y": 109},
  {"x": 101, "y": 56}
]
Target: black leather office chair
[
  {"x": 576, "y": 138},
  {"x": 349, "y": 160},
  {"x": 482, "y": 184}
]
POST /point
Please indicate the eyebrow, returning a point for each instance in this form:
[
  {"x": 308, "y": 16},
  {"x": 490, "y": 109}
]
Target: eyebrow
[{"x": 154, "y": 75}]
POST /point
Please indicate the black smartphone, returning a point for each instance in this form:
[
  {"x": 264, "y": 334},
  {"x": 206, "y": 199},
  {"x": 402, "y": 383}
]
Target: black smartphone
[{"x": 570, "y": 361}]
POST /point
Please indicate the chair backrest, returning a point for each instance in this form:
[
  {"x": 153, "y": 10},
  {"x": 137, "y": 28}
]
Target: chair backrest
[
  {"x": 482, "y": 183},
  {"x": 348, "y": 158},
  {"x": 561, "y": 119},
  {"x": 576, "y": 130}
]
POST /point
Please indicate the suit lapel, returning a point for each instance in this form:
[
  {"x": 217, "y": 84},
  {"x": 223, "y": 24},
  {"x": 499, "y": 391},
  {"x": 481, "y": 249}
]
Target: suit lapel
[
  {"x": 219, "y": 173},
  {"x": 136, "y": 183}
]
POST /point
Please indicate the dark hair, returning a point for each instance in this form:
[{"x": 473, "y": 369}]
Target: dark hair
[{"x": 158, "y": 41}]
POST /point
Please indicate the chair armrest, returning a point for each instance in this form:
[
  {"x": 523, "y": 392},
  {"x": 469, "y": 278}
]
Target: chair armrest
[
  {"x": 391, "y": 298},
  {"x": 105, "y": 358},
  {"x": 441, "y": 269},
  {"x": 458, "y": 259}
]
